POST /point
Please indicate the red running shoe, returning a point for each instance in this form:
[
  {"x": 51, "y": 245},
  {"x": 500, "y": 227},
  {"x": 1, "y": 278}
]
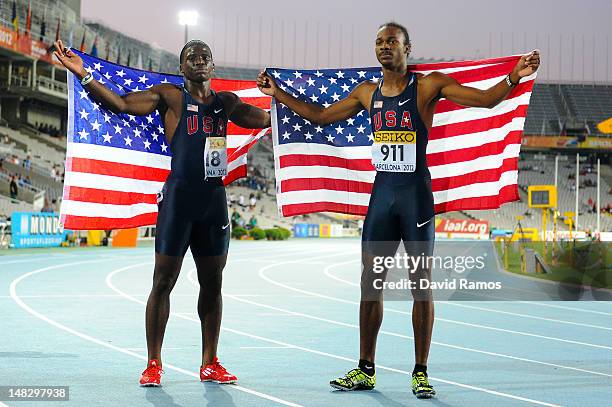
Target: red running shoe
[
  {"x": 214, "y": 372},
  {"x": 151, "y": 377}
]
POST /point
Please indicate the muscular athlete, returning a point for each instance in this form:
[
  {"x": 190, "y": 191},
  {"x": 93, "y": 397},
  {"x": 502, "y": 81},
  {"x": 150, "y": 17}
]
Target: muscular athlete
[
  {"x": 192, "y": 204},
  {"x": 401, "y": 205}
]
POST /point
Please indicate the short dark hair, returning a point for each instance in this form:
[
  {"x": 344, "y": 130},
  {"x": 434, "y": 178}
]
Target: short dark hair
[
  {"x": 399, "y": 27},
  {"x": 190, "y": 44}
]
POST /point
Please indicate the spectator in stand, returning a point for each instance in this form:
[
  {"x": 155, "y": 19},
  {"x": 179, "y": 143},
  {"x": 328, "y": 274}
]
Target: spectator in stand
[
  {"x": 253, "y": 222},
  {"x": 252, "y": 201},
  {"x": 235, "y": 218},
  {"x": 241, "y": 202},
  {"x": 47, "y": 207},
  {"x": 14, "y": 190}
]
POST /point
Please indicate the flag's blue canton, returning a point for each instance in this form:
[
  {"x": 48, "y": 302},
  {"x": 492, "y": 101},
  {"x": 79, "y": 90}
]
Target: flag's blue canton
[
  {"x": 93, "y": 124},
  {"x": 323, "y": 87}
]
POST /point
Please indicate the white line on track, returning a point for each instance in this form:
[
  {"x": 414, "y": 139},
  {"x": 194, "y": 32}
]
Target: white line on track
[
  {"x": 27, "y": 308},
  {"x": 110, "y": 276},
  {"x": 543, "y": 304},
  {"x": 452, "y": 321},
  {"x": 269, "y": 340}
]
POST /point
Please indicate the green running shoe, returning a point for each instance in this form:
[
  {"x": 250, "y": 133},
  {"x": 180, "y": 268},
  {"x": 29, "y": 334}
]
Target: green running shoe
[
  {"x": 421, "y": 387},
  {"x": 355, "y": 379}
]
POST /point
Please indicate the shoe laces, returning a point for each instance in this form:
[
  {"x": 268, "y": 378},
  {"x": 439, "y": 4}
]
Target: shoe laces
[
  {"x": 421, "y": 379},
  {"x": 153, "y": 369}
]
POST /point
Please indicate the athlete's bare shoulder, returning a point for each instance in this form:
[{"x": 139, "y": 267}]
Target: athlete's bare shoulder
[
  {"x": 431, "y": 84},
  {"x": 364, "y": 92},
  {"x": 170, "y": 94}
]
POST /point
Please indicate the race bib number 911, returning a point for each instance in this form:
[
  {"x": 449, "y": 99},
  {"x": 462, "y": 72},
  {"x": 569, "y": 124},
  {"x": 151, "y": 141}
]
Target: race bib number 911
[
  {"x": 215, "y": 157},
  {"x": 394, "y": 151}
]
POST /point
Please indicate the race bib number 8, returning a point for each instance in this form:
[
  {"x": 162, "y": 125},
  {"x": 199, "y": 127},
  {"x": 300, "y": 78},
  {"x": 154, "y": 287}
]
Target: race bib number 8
[
  {"x": 215, "y": 157},
  {"x": 394, "y": 151}
]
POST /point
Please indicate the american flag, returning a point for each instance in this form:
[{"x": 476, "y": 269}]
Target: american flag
[
  {"x": 116, "y": 164},
  {"x": 472, "y": 152}
]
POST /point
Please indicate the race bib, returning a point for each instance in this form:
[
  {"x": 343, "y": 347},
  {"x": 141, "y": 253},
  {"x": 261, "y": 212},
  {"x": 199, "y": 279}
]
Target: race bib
[
  {"x": 394, "y": 151},
  {"x": 215, "y": 157}
]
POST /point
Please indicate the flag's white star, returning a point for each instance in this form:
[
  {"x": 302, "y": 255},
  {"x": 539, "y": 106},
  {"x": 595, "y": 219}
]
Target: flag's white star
[
  {"x": 340, "y": 74},
  {"x": 117, "y": 129},
  {"x": 339, "y": 129},
  {"x": 310, "y": 81},
  {"x": 323, "y": 89},
  {"x": 107, "y": 137},
  {"x": 308, "y": 136},
  {"x": 149, "y": 119},
  {"x": 297, "y": 127},
  {"x": 374, "y": 79},
  {"x": 276, "y": 74},
  {"x": 360, "y": 113},
  {"x": 160, "y": 129},
  {"x": 330, "y": 138},
  {"x": 319, "y": 74},
  {"x": 353, "y": 81},
  {"x": 136, "y": 132},
  {"x": 143, "y": 79},
  {"x": 128, "y": 141},
  {"x": 301, "y": 90},
  {"x": 350, "y": 138},
  {"x": 164, "y": 147},
  {"x": 319, "y": 129},
  {"x": 84, "y": 114},
  {"x": 155, "y": 136},
  {"x": 107, "y": 76},
  {"x": 83, "y": 134},
  {"x": 147, "y": 144},
  {"x": 335, "y": 97},
  {"x": 345, "y": 87},
  {"x": 98, "y": 66},
  {"x": 102, "y": 81},
  {"x": 361, "y": 74},
  {"x": 326, "y": 104},
  {"x": 165, "y": 81},
  {"x": 306, "y": 121},
  {"x": 106, "y": 118},
  {"x": 286, "y": 135},
  {"x": 125, "y": 123},
  {"x": 127, "y": 82},
  {"x": 332, "y": 81},
  {"x": 285, "y": 120},
  {"x": 96, "y": 126},
  {"x": 89, "y": 69},
  {"x": 360, "y": 129},
  {"x": 283, "y": 87},
  {"x": 370, "y": 137},
  {"x": 289, "y": 82},
  {"x": 297, "y": 74},
  {"x": 120, "y": 73},
  {"x": 96, "y": 106},
  {"x": 83, "y": 94},
  {"x": 350, "y": 121},
  {"x": 314, "y": 98},
  {"x": 143, "y": 125}
]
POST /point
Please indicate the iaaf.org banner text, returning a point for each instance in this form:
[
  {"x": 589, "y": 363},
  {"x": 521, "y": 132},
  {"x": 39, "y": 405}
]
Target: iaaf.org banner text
[{"x": 467, "y": 228}]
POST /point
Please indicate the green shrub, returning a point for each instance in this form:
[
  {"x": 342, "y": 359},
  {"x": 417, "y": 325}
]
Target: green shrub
[
  {"x": 257, "y": 234},
  {"x": 278, "y": 234},
  {"x": 284, "y": 233},
  {"x": 238, "y": 233}
]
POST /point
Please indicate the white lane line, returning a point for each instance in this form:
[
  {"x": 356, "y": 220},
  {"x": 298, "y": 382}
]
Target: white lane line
[
  {"x": 543, "y": 304},
  {"x": 497, "y": 311},
  {"x": 447, "y": 345},
  {"x": 27, "y": 308},
  {"x": 265, "y": 347},
  {"x": 110, "y": 276},
  {"x": 451, "y": 321}
]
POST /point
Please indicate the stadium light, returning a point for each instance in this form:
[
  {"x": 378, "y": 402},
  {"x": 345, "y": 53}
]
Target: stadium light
[{"x": 187, "y": 18}]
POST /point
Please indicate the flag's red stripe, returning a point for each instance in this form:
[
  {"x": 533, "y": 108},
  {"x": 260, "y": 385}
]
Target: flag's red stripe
[
  {"x": 305, "y": 208},
  {"x": 460, "y": 64},
  {"x": 232, "y": 85},
  {"x": 101, "y": 223},
  {"x": 305, "y": 160},
  {"x": 476, "y": 177},
  {"x": 446, "y": 105},
  {"x": 104, "y": 196},
  {"x": 115, "y": 169},
  {"x": 506, "y": 194},
  {"x": 472, "y": 153},
  {"x": 236, "y": 173},
  {"x": 477, "y": 125},
  {"x": 311, "y": 184}
]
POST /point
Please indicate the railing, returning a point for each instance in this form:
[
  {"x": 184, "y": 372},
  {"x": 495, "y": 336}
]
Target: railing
[{"x": 53, "y": 85}]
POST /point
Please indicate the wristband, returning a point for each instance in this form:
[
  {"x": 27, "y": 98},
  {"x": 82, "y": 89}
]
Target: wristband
[
  {"x": 509, "y": 81},
  {"x": 86, "y": 79}
]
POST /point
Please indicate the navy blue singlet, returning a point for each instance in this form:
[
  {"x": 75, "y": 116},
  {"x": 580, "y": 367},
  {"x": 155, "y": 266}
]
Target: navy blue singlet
[
  {"x": 401, "y": 204},
  {"x": 192, "y": 209}
]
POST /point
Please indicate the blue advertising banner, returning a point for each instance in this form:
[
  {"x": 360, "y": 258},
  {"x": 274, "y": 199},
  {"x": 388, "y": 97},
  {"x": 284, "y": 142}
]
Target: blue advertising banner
[
  {"x": 306, "y": 230},
  {"x": 36, "y": 229}
]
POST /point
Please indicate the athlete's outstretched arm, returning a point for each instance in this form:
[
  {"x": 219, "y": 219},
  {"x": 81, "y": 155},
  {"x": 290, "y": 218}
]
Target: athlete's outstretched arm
[
  {"x": 243, "y": 114},
  {"x": 136, "y": 103},
  {"x": 340, "y": 110},
  {"x": 467, "y": 96}
]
